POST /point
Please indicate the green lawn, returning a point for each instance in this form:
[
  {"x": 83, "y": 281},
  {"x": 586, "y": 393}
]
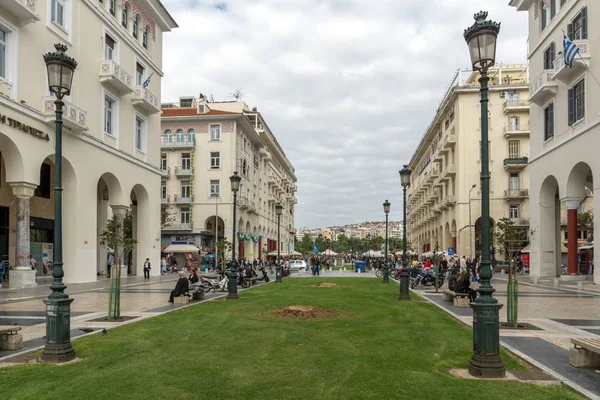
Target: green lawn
[{"x": 375, "y": 347}]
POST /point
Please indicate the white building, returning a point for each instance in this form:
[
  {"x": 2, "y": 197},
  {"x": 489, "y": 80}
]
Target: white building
[
  {"x": 565, "y": 127},
  {"x": 110, "y": 161},
  {"x": 203, "y": 143}
]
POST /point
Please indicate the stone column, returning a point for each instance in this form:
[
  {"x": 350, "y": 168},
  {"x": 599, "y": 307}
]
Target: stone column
[
  {"x": 119, "y": 213},
  {"x": 22, "y": 275},
  {"x": 571, "y": 203}
]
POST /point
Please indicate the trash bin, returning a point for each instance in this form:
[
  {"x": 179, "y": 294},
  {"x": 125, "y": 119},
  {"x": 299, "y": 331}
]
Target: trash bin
[{"x": 362, "y": 265}]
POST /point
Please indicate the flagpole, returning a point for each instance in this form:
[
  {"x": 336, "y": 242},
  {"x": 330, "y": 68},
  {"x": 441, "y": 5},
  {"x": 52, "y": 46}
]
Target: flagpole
[{"x": 580, "y": 56}]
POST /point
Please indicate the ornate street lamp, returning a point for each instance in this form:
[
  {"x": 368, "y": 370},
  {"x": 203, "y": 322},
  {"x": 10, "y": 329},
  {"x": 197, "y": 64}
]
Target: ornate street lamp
[
  {"x": 404, "y": 275},
  {"x": 386, "y": 267},
  {"x": 235, "y": 180},
  {"x": 278, "y": 271},
  {"x": 485, "y": 362},
  {"x": 58, "y": 346}
]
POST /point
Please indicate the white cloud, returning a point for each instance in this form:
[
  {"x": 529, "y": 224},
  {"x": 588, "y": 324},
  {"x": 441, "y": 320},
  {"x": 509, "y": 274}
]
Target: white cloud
[{"x": 347, "y": 86}]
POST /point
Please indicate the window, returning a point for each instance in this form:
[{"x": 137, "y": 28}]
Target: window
[
  {"x": 124, "y": 18},
  {"x": 544, "y": 12},
  {"x": 549, "y": 56},
  {"x": 110, "y": 110},
  {"x": 113, "y": 7},
  {"x": 185, "y": 215},
  {"x": 549, "y": 121},
  {"x": 513, "y": 123},
  {"x": 163, "y": 161},
  {"x": 57, "y": 9},
  {"x": 215, "y": 160},
  {"x": 140, "y": 134},
  {"x": 577, "y": 29},
  {"x": 109, "y": 47},
  {"x": 552, "y": 8},
  {"x": 513, "y": 211},
  {"x": 513, "y": 181},
  {"x": 577, "y": 102},
  {"x": 168, "y": 136},
  {"x": 513, "y": 149},
  {"x": 140, "y": 72},
  {"x": 163, "y": 189},
  {"x": 179, "y": 136},
  {"x": 215, "y": 187},
  {"x": 215, "y": 132},
  {"x": 43, "y": 190},
  {"x": 134, "y": 27},
  {"x": 3, "y": 37},
  {"x": 145, "y": 37},
  {"x": 185, "y": 189},
  {"x": 186, "y": 161}
]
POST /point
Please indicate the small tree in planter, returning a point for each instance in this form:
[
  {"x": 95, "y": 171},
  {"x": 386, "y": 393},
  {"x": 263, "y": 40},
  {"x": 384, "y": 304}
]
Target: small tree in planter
[
  {"x": 436, "y": 258},
  {"x": 114, "y": 237},
  {"x": 510, "y": 240}
]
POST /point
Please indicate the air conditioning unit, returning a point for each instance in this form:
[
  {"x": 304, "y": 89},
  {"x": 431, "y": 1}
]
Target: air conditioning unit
[{"x": 502, "y": 94}]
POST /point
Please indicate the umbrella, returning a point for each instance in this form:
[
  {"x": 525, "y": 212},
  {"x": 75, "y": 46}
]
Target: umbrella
[
  {"x": 329, "y": 252},
  {"x": 181, "y": 248}
]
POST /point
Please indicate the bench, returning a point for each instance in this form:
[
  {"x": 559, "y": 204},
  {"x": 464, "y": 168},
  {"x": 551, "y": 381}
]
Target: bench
[
  {"x": 185, "y": 299},
  {"x": 458, "y": 299},
  {"x": 10, "y": 338},
  {"x": 585, "y": 353},
  {"x": 253, "y": 281}
]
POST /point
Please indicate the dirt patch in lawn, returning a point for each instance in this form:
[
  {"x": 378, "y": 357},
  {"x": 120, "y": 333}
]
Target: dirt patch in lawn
[
  {"x": 303, "y": 312},
  {"x": 327, "y": 284},
  {"x": 521, "y": 326}
]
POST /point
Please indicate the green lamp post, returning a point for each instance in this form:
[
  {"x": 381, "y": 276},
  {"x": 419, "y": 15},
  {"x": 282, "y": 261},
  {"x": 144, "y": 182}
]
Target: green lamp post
[
  {"x": 278, "y": 270},
  {"x": 235, "y": 180},
  {"x": 58, "y": 346},
  {"x": 404, "y": 275},
  {"x": 386, "y": 266},
  {"x": 486, "y": 362}
]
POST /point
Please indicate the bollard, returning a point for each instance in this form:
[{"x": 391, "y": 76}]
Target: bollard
[
  {"x": 580, "y": 286},
  {"x": 344, "y": 268},
  {"x": 329, "y": 268},
  {"x": 358, "y": 270},
  {"x": 536, "y": 280},
  {"x": 340, "y": 271},
  {"x": 556, "y": 281}
]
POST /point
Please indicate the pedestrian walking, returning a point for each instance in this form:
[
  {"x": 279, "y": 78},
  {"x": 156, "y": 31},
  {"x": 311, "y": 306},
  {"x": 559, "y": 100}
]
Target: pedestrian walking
[
  {"x": 163, "y": 266},
  {"x": 109, "y": 263},
  {"x": 2, "y": 268},
  {"x": 147, "y": 269}
]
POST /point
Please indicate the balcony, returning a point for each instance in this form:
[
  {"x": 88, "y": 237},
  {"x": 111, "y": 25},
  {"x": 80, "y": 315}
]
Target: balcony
[
  {"x": 516, "y": 194},
  {"x": 165, "y": 172},
  {"x": 264, "y": 153},
  {"x": 272, "y": 199},
  {"x": 450, "y": 200},
  {"x": 179, "y": 199},
  {"x": 179, "y": 226},
  {"x": 515, "y": 163},
  {"x": 449, "y": 142},
  {"x": 520, "y": 222},
  {"x": 449, "y": 171},
  {"x": 74, "y": 117},
  {"x": 251, "y": 207},
  {"x": 178, "y": 141},
  {"x": 563, "y": 73},
  {"x": 542, "y": 87},
  {"x": 184, "y": 171},
  {"x": 165, "y": 199},
  {"x": 511, "y": 105},
  {"x": 242, "y": 202},
  {"x": 24, "y": 10},
  {"x": 111, "y": 74},
  {"x": 145, "y": 100},
  {"x": 511, "y": 129},
  {"x": 433, "y": 174}
]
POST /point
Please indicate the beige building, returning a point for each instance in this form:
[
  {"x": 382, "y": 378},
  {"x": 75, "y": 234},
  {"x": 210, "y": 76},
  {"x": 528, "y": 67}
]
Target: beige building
[
  {"x": 203, "y": 143},
  {"x": 110, "y": 159},
  {"x": 565, "y": 134},
  {"x": 447, "y": 163}
]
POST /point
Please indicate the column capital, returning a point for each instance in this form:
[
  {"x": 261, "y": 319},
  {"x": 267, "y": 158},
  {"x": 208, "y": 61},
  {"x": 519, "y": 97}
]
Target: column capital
[
  {"x": 119, "y": 211},
  {"x": 23, "y": 190},
  {"x": 572, "y": 203}
]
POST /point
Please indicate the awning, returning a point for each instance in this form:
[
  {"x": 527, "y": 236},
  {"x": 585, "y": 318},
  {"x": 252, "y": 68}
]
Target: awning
[
  {"x": 181, "y": 248},
  {"x": 329, "y": 252}
]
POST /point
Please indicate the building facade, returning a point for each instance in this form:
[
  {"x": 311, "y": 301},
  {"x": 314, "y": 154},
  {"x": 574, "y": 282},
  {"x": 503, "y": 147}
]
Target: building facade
[
  {"x": 443, "y": 205},
  {"x": 565, "y": 128},
  {"x": 203, "y": 143},
  {"x": 110, "y": 159}
]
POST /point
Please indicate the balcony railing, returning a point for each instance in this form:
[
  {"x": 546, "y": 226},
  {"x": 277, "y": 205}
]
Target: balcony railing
[
  {"x": 179, "y": 226},
  {"x": 165, "y": 172},
  {"x": 183, "y": 199},
  {"x": 511, "y": 129},
  {"x": 449, "y": 141},
  {"x": 144, "y": 99},
  {"x": 564, "y": 72},
  {"x": 178, "y": 141},
  {"x": 510, "y": 194},
  {"x": 515, "y": 105},
  {"x": 184, "y": 171},
  {"x": 515, "y": 162},
  {"x": 165, "y": 199},
  {"x": 542, "y": 87},
  {"x": 24, "y": 10},
  {"x": 113, "y": 75},
  {"x": 74, "y": 117}
]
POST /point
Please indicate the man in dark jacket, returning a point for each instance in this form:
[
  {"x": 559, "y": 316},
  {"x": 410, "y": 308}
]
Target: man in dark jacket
[{"x": 181, "y": 287}]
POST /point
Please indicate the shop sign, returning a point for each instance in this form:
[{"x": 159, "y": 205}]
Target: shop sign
[{"x": 13, "y": 123}]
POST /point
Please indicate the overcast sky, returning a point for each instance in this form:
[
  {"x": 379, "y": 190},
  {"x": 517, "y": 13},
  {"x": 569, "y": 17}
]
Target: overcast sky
[{"x": 347, "y": 86}]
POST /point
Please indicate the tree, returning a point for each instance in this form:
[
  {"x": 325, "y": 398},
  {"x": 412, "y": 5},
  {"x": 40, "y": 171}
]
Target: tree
[
  {"x": 237, "y": 94},
  {"x": 113, "y": 236},
  {"x": 320, "y": 243},
  {"x": 436, "y": 257},
  {"x": 305, "y": 245},
  {"x": 166, "y": 216},
  {"x": 341, "y": 244},
  {"x": 510, "y": 240},
  {"x": 224, "y": 252},
  {"x": 585, "y": 221}
]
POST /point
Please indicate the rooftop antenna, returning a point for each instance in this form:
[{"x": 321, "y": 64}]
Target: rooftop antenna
[{"x": 237, "y": 94}]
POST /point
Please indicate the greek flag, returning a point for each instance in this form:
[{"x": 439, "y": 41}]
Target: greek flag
[
  {"x": 147, "y": 81},
  {"x": 571, "y": 50}
]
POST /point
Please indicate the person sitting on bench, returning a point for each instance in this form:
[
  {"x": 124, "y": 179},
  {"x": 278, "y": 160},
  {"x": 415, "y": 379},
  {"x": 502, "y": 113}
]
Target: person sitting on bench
[
  {"x": 452, "y": 281},
  {"x": 463, "y": 286},
  {"x": 181, "y": 287}
]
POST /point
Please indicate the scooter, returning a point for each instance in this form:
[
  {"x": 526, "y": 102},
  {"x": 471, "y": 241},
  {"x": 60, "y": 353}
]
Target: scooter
[
  {"x": 242, "y": 280},
  {"x": 264, "y": 276}
]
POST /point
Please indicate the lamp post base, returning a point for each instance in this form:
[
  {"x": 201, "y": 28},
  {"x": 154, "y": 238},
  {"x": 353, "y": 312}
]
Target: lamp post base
[
  {"x": 232, "y": 285},
  {"x": 278, "y": 274},
  {"x": 58, "y": 347},
  {"x": 404, "y": 279},
  {"x": 386, "y": 275},
  {"x": 486, "y": 361}
]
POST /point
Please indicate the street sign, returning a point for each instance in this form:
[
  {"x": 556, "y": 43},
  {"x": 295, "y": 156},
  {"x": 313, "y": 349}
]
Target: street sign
[
  {"x": 315, "y": 250},
  {"x": 450, "y": 251}
]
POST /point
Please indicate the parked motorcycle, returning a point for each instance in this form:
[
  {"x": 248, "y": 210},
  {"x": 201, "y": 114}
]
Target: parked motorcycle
[
  {"x": 429, "y": 279},
  {"x": 264, "y": 276},
  {"x": 242, "y": 280}
]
